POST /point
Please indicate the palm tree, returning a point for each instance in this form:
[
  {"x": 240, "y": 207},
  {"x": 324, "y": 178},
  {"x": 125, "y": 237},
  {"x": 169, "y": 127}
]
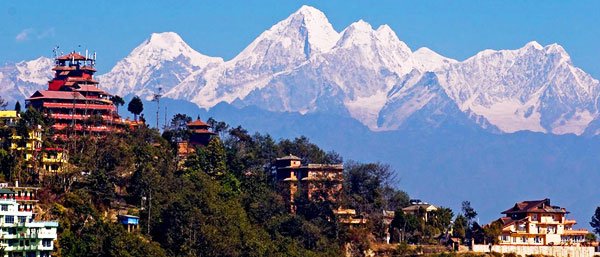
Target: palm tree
[{"x": 117, "y": 100}]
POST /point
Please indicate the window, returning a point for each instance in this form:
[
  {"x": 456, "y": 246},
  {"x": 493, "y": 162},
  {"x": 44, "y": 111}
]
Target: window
[
  {"x": 505, "y": 238},
  {"x": 9, "y": 219},
  {"x": 4, "y": 207},
  {"x": 524, "y": 239},
  {"x": 46, "y": 242},
  {"x": 537, "y": 240},
  {"x": 535, "y": 216},
  {"x": 22, "y": 219}
]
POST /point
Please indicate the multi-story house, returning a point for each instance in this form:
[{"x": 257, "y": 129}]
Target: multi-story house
[
  {"x": 26, "y": 197},
  {"x": 539, "y": 223},
  {"x": 29, "y": 146},
  {"x": 21, "y": 235},
  {"x": 419, "y": 209},
  {"x": 314, "y": 181}
]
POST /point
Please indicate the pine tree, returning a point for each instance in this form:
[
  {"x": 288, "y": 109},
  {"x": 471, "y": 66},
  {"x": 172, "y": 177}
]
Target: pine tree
[
  {"x": 595, "y": 223},
  {"x": 135, "y": 106},
  {"x": 18, "y": 107}
]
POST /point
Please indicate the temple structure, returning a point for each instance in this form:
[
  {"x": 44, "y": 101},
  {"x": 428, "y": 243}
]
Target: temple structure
[
  {"x": 200, "y": 136},
  {"x": 313, "y": 181},
  {"x": 73, "y": 100}
]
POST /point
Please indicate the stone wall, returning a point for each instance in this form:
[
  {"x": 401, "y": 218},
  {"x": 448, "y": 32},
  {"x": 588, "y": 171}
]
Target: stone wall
[{"x": 523, "y": 250}]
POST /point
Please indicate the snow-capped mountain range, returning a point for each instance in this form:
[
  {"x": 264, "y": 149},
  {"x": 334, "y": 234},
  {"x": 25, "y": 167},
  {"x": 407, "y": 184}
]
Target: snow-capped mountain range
[{"x": 302, "y": 64}]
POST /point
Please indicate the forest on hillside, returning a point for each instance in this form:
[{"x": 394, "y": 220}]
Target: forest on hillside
[{"x": 222, "y": 200}]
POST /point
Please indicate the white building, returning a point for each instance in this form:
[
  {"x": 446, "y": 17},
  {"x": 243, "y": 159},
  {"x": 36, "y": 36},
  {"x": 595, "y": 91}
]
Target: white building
[{"x": 23, "y": 237}]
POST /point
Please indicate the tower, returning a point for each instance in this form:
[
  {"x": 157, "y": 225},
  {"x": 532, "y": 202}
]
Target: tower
[{"x": 73, "y": 99}]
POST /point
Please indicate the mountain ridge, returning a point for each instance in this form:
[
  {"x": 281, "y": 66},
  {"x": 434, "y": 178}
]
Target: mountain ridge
[{"x": 302, "y": 64}]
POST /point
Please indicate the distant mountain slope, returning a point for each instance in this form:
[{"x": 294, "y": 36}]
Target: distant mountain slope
[
  {"x": 534, "y": 88},
  {"x": 19, "y": 81},
  {"x": 453, "y": 162}
]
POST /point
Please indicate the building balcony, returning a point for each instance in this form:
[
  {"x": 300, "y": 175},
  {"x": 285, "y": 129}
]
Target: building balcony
[
  {"x": 54, "y": 160},
  {"x": 80, "y": 106}
]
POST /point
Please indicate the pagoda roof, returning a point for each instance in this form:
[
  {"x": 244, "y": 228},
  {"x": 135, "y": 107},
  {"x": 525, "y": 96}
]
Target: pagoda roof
[
  {"x": 535, "y": 206},
  {"x": 71, "y": 56},
  {"x": 47, "y": 94},
  {"x": 90, "y": 88},
  {"x": 197, "y": 123},
  {"x": 70, "y": 68}
]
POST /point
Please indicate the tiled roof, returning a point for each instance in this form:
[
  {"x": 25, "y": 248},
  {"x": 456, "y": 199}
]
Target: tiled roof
[
  {"x": 56, "y": 95},
  {"x": 71, "y": 56},
  {"x": 418, "y": 206},
  {"x": 289, "y": 157},
  {"x": 90, "y": 88},
  {"x": 535, "y": 206},
  {"x": 197, "y": 123}
]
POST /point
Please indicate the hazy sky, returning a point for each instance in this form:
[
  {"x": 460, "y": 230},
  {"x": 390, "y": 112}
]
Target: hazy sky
[{"x": 456, "y": 29}]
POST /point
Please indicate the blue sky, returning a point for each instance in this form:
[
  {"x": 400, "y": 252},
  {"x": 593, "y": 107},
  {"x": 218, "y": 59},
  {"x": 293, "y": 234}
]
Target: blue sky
[{"x": 456, "y": 29}]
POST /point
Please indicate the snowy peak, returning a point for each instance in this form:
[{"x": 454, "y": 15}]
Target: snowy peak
[
  {"x": 36, "y": 71},
  {"x": 320, "y": 33},
  {"x": 303, "y": 34},
  {"x": 168, "y": 46},
  {"x": 534, "y": 45},
  {"x": 533, "y": 88},
  {"x": 426, "y": 59},
  {"x": 357, "y": 33},
  {"x": 161, "y": 62}
]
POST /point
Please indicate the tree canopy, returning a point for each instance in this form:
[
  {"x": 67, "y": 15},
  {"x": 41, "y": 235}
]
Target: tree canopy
[{"x": 135, "y": 106}]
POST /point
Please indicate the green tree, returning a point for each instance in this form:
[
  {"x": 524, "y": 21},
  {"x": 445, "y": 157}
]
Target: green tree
[
  {"x": 203, "y": 221},
  {"x": 441, "y": 219},
  {"x": 404, "y": 226},
  {"x": 18, "y": 107},
  {"x": 590, "y": 237},
  {"x": 3, "y": 103},
  {"x": 117, "y": 101},
  {"x": 178, "y": 130},
  {"x": 365, "y": 185},
  {"x": 135, "y": 106},
  {"x": 218, "y": 127},
  {"x": 492, "y": 232},
  {"x": 459, "y": 227},
  {"x": 595, "y": 223},
  {"x": 469, "y": 213}
]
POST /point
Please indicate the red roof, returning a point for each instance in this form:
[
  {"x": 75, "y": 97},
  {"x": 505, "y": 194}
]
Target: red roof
[
  {"x": 535, "y": 206},
  {"x": 56, "y": 95},
  {"x": 90, "y": 88},
  {"x": 197, "y": 123},
  {"x": 71, "y": 56}
]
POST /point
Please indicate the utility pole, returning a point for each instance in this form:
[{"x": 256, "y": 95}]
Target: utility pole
[
  {"x": 149, "y": 210},
  {"x": 156, "y": 99}
]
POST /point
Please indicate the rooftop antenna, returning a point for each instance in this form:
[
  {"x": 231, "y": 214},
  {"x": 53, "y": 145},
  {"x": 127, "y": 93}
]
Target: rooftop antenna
[
  {"x": 156, "y": 99},
  {"x": 55, "y": 51},
  {"x": 55, "y": 54}
]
